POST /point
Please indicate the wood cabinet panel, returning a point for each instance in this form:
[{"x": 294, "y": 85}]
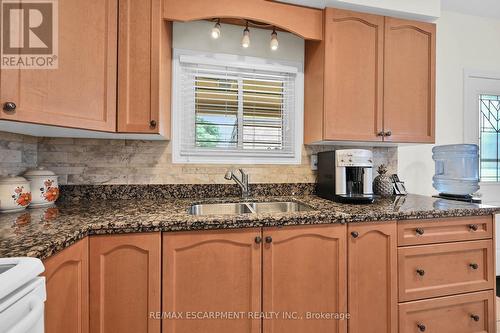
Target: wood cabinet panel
[
  {"x": 209, "y": 271},
  {"x": 81, "y": 92},
  {"x": 444, "y": 230},
  {"x": 409, "y": 80},
  {"x": 354, "y": 55},
  {"x": 304, "y": 270},
  {"x": 372, "y": 277},
  {"x": 445, "y": 269},
  {"x": 67, "y": 285},
  {"x": 143, "y": 95},
  {"x": 453, "y": 314},
  {"x": 125, "y": 283},
  {"x": 302, "y": 21}
]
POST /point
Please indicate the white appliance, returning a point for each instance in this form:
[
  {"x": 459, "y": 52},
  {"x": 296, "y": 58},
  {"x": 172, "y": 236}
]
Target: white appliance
[{"x": 22, "y": 295}]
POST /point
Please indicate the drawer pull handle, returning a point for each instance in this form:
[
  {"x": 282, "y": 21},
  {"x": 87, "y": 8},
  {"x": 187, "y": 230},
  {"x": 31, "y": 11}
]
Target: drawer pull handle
[
  {"x": 474, "y": 266},
  {"x": 421, "y": 327},
  {"x": 473, "y": 227},
  {"x": 354, "y": 234},
  {"x": 475, "y": 317},
  {"x": 258, "y": 239},
  {"x": 420, "y": 272},
  {"x": 419, "y": 231}
]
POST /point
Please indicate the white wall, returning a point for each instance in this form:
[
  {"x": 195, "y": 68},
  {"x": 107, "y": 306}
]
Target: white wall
[
  {"x": 463, "y": 42},
  {"x": 196, "y": 36}
]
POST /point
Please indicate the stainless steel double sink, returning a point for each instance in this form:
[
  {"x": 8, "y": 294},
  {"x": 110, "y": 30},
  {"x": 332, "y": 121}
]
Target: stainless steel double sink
[{"x": 235, "y": 208}]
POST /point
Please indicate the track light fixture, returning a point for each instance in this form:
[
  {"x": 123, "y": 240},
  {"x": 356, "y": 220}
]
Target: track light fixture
[
  {"x": 216, "y": 30},
  {"x": 245, "y": 41},
  {"x": 274, "y": 40}
]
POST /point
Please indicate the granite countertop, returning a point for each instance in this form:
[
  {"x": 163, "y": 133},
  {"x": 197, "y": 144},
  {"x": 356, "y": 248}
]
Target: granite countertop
[{"x": 44, "y": 231}]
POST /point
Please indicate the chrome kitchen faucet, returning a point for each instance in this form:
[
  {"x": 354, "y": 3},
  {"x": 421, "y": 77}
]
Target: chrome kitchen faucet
[{"x": 243, "y": 183}]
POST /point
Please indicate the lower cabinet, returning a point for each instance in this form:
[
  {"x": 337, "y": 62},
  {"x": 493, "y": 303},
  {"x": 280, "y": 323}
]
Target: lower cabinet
[
  {"x": 125, "y": 284},
  {"x": 212, "y": 272},
  {"x": 67, "y": 284},
  {"x": 299, "y": 279},
  {"x": 373, "y": 278},
  {"x": 467, "y": 313},
  {"x": 305, "y": 279}
]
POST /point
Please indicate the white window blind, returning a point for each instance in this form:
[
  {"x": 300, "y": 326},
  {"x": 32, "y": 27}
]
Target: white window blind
[{"x": 236, "y": 110}]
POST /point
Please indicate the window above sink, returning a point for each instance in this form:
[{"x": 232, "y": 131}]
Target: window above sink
[{"x": 235, "y": 109}]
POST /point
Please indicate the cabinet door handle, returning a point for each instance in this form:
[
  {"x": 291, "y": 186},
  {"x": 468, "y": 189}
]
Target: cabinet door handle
[
  {"x": 381, "y": 133},
  {"x": 420, "y": 272},
  {"x": 355, "y": 234},
  {"x": 152, "y": 124},
  {"x": 269, "y": 239},
  {"x": 421, "y": 327},
  {"x": 258, "y": 239},
  {"x": 473, "y": 227},
  {"x": 474, "y": 266},
  {"x": 475, "y": 317},
  {"x": 388, "y": 133},
  {"x": 419, "y": 231},
  {"x": 9, "y": 106}
]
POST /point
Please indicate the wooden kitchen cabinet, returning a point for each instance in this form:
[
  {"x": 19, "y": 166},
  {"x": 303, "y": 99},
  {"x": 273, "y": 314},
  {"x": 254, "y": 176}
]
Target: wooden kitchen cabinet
[
  {"x": 67, "y": 285},
  {"x": 304, "y": 271},
  {"x": 371, "y": 79},
  {"x": 344, "y": 77},
  {"x": 443, "y": 230},
  {"x": 372, "y": 277},
  {"x": 468, "y": 313},
  {"x": 81, "y": 92},
  {"x": 212, "y": 271},
  {"x": 125, "y": 283},
  {"x": 144, "y": 65},
  {"x": 409, "y": 80},
  {"x": 445, "y": 269}
]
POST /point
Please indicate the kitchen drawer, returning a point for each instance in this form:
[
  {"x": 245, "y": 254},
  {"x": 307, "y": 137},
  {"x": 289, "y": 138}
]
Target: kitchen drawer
[
  {"x": 468, "y": 313},
  {"x": 444, "y": 230},
  {"x": 445, "y": 269}
]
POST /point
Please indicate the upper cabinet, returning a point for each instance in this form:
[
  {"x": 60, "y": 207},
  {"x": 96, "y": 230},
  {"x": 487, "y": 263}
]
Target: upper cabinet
[
  {"x": 354, "y": 48},
  {"x": 81, "y": 92},
  {"x": 372, "y": 78},
  {"x": 113, "y": 74},
  {"x": 144, "y": 58},
  {"x": 409, "y": 80}
]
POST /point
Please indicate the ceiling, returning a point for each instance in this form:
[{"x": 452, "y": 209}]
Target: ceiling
[{"x": 487, "y": 8}]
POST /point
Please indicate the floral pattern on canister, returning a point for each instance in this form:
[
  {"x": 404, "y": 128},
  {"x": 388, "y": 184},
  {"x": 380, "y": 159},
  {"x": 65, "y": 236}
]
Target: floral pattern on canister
[
  {"x": 21, "y": 198},
  {"x": 49, "y": 192}
]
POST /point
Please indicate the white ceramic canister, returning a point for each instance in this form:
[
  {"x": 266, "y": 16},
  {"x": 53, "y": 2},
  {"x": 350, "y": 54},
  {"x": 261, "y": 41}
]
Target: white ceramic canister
[
  {"x": 44, "y": 186},
  {"x": 15, "y": 193}
]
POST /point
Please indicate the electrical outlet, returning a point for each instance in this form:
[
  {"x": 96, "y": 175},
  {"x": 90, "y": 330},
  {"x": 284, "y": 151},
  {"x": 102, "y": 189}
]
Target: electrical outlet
[{"x": 314, "y": 162}]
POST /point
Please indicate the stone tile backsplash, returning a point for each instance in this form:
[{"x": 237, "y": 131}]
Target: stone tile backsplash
[
  {"x": 94, "y": 161},
  {"x": 17, "y": 153}
]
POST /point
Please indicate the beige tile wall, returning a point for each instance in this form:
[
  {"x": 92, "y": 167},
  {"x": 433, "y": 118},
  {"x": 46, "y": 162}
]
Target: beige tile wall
[
  {"x": 92, "y": 161},
  {"x": 17, "y": 153}
]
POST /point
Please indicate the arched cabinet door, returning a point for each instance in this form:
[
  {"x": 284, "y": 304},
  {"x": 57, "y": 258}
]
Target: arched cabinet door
[
  {"x": 125, "y": 283},
  {"x": 409, "y": 80},
  {"x": 304, "y": 274},
  {"x": 354, "y": 62},
  {"x": 66, "y": 276},
  {"x": 372, "y": 277},
  {"x": 212, "y": 272}
]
